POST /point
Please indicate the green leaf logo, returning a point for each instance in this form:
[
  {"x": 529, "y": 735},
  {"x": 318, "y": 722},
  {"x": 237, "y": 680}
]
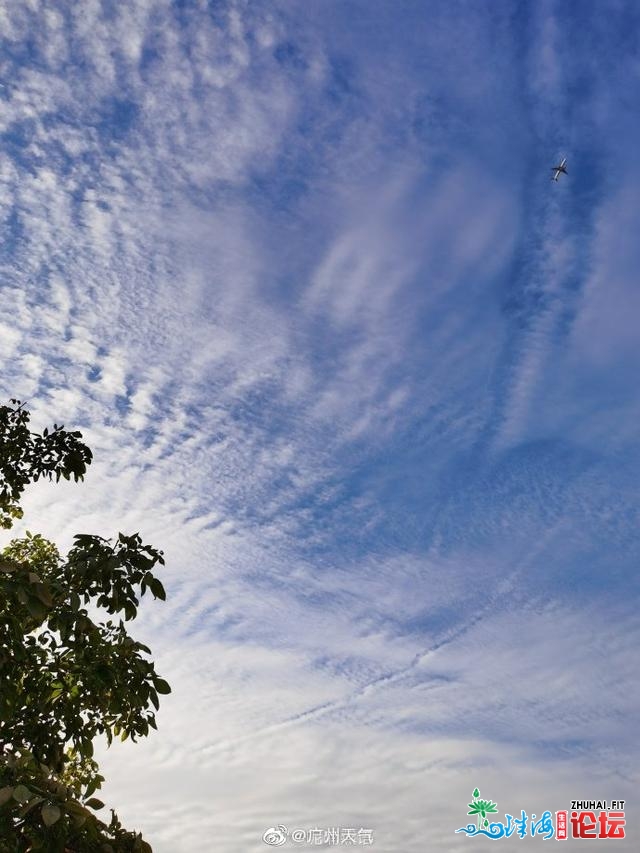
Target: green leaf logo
[{"x": 481, "y": 808}]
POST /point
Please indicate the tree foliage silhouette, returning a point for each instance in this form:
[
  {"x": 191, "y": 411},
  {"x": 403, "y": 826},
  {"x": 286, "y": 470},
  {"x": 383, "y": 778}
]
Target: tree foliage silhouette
[{"x": 66, "y": 676}]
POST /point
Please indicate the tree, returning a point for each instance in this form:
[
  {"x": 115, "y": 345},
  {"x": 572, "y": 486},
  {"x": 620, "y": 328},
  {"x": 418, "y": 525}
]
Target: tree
[{"x": 65, "y": 676}]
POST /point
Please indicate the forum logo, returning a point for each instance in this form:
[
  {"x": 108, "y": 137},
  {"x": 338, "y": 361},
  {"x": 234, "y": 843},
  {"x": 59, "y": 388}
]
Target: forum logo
[{"x": 585, "y": 819}]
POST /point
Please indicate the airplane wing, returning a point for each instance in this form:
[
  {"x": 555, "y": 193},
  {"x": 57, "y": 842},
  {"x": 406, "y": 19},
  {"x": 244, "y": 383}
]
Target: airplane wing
[{"x": 561, "y": 169}]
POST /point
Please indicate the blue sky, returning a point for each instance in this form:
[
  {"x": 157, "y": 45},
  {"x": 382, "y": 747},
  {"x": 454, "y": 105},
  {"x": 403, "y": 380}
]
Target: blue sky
[{"x": 345, "y": 352}]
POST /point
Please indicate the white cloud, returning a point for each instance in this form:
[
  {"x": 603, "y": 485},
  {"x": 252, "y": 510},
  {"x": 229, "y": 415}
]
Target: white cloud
[{"x": 502, "y": 727}]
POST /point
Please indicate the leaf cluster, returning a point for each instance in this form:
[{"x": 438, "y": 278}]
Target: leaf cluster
[
  {"x": 41, "y": 811},
  {"x": 64, "y": 676},
  {"x": 482, "y": 807},
  {"x": 67, "y": 673},
  {"x": 27, "y": 456}
]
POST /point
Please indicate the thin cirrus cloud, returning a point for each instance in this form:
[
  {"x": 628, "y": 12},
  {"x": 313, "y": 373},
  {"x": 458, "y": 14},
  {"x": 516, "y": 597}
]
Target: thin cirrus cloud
[{"x": 343, "y": 352}]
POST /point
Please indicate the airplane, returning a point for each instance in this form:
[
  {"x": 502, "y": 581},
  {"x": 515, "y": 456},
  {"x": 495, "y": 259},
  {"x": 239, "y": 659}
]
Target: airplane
[{"x": 559, "y": 170}]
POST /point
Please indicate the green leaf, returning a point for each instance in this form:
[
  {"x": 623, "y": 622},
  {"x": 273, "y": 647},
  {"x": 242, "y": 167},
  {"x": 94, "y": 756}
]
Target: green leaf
[
  {"x": 5, "y": 795},
  {"x": 476, "y": 793},
  {"x": 56, "y": 693},
  {"x": 50, "y": 814},
  {"x": 44, "y": 595},
  {"x": 94, "y": 803},
  {"x": 21, "y": 794},
  {"x": 36, "y": 609},
  {"x": 93, "y": 785},
  {"x": 161, "y": 685},
  {"x": 157, "y": 589},
  {"x": 75, "y": 808}
]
